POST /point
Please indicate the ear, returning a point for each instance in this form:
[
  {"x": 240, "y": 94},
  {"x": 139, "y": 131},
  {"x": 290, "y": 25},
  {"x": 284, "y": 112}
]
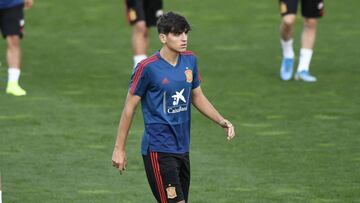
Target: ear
[{"x": 162, "y": 38}]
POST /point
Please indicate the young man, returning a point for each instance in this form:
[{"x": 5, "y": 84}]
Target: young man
[
  {"x": 12, "y": 26},
  {"x": 166, "y": 84},
  {"x": 311, "y": 11},
  {"x": 142, "y": 14}
]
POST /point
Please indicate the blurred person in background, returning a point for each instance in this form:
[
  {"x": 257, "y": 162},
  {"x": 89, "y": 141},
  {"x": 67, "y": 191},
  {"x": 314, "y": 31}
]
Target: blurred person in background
[
  {"x": 12, "y": 28},
  {"x": 311, "y": 10},
  {"x": 142, "y": 14}
]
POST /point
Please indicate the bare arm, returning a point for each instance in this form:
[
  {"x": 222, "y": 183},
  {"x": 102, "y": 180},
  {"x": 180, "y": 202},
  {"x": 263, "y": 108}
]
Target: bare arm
[
  {"x": 206, "y": 108},
  {"x": 119, "y": 155},
  {"x": 28, "y": 4}
]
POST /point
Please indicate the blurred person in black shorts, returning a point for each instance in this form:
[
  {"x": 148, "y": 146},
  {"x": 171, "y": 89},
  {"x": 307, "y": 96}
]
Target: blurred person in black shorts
[
  {"x": 142, "y": 14},
  {"x": 311, "y": 10},
  {"x": 12, "y": 29}
]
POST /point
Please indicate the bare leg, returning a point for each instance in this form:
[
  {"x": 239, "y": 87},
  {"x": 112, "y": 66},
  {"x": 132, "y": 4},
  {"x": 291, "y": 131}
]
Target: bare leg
[
  {"x": 13, "y": 53},
  {"x": 287, "y": 27},
  {"x": 286, "y": 34},
  {"x": 140, "y": 41},
  {"x": 309, "y": 33},
  {"x": 307, "y": 44}
]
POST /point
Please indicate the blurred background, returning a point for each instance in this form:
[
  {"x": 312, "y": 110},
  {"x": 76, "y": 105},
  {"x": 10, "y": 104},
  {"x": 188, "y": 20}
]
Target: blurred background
[{"x": 296, "y": 142}]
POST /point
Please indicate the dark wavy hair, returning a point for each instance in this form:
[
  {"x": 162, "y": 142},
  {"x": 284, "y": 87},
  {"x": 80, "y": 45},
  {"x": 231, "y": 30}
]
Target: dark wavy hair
[{"x": 172, "y": 23}]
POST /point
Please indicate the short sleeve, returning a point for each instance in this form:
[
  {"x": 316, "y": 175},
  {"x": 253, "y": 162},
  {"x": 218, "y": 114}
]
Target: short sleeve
[
  {"x": 196, "y": 75},
  {"x": 139, "y": 81}
]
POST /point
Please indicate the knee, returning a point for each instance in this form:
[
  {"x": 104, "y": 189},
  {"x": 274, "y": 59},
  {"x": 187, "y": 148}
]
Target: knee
[
  {"x": 13, "y": 41},
  {"x": 310, "y": 23},
  {"x": 288, "y": 21},
  {"x": 140, "y": 28}
]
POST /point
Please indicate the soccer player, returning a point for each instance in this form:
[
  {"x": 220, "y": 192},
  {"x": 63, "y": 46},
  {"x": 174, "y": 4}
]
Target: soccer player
[
  {"x": 142, "y": 14},
  {"x": 12, "y": 27},
  {"x": 166, "y": 84},
  {"x": 311, "y": 10}
]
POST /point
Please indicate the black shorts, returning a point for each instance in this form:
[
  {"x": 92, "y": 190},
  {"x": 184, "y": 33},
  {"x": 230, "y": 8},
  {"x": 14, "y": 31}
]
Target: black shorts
[
  {"x": 12, "y": 21},
  {"x": 168, "y": 176},
  {"x": 146, "y": 10},
  {"x": 309, "y": 8}
]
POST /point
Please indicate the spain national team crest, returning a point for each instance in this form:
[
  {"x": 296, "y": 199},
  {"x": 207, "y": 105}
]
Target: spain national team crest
[
  {"x": 189, "y": 75},
  {"x": 171, "y": 192}
]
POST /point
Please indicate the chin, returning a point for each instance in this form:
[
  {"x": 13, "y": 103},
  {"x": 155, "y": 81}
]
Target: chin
[{"x": 182, "y": 50}]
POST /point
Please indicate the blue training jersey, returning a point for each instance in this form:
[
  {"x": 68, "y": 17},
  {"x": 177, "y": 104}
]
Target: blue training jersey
[
  {"x": 10, "y": 3},
  {"x": 165, "y": 92}
]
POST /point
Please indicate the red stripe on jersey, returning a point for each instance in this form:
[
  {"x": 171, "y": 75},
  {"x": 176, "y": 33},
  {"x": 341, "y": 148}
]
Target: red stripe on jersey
[
  {"x": 140, "y": 70},
  {"x": 188, "y": 53},
  {"x": 156, "y": 169}
]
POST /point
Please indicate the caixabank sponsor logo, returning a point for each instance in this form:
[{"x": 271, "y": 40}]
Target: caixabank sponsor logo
[{"x": 179, "y": 103}]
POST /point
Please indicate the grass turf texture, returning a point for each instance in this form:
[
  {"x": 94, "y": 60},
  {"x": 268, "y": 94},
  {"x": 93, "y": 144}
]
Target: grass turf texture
[{"x": 295, "y": 142}]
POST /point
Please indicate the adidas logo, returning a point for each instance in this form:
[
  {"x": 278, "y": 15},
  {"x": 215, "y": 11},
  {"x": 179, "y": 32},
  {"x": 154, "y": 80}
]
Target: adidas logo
[{"x": 165, "y": 81}]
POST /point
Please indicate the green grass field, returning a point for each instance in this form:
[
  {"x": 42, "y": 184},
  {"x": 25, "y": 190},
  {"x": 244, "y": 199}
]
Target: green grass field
[{"x": 295, "y": 142}]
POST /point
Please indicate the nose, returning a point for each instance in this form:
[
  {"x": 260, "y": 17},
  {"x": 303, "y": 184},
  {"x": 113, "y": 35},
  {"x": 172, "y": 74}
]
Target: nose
[{"x": 184, "y": 36}]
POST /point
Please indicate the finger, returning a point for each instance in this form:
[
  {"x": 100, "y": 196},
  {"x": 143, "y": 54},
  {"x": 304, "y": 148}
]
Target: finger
[
  {"x": 121, "y": 169},
  {"x": 115, "y": 164},
  {"x": 231, "y": 133},
  {"x": 230, "y": 136},
  {"x": 121, "y": 166}
]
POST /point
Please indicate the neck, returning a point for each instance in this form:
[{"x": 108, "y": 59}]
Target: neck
[{"x": 169, "y": 55}]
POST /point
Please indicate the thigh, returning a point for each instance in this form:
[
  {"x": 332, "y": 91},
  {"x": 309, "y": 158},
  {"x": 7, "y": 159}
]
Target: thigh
[
  {"x": 12, "y": 21},
  {"x": 153, "y": 10},
  {"x": 170, "y": 169},
  {"x": 162, "y": 171},
  {"x": 185, "y": 175},
  {"x": 135, "y": 11},
  {"x": 288, "y": 7},
  {"x": 152, "y": 179},
  {"x": 312, "y": 8}
]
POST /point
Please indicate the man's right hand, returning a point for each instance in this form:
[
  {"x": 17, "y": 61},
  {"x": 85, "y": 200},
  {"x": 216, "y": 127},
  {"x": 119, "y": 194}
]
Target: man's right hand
[{"x": 119, "y": 160}]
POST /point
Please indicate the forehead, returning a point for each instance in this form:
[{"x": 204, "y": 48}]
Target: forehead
[{"x": 177, "y": 33}]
